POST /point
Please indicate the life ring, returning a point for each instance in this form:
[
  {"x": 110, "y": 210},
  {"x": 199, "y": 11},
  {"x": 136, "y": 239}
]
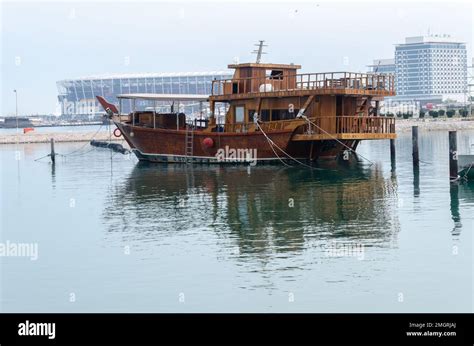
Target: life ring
[{"x": 117, "y": 134}]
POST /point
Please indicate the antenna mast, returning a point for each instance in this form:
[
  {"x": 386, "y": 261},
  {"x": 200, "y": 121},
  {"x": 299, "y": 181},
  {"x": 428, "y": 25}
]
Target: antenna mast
[{"x": 260, "y": 51}]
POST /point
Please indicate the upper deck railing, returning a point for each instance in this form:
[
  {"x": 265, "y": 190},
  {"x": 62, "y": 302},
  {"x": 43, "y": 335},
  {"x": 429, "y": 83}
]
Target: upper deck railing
[{"x": 375, "y": 83}]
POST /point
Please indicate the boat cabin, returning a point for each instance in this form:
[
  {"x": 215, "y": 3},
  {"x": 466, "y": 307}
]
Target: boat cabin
[{"x": 339, "y": 105}]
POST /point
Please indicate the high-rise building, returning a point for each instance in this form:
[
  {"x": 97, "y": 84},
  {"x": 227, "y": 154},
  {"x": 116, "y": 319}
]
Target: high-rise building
[{"x": 431, "y": 69}]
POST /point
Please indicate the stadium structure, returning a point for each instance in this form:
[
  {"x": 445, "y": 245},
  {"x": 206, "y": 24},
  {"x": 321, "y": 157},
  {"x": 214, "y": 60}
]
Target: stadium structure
[{"x": 77, "y": 97}]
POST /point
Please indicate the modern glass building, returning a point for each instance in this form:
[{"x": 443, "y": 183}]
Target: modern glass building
[
  {"x": 430, "y": 68},
  {"x": 77, "y": 96},
  {"x": 386, "y": 66}
]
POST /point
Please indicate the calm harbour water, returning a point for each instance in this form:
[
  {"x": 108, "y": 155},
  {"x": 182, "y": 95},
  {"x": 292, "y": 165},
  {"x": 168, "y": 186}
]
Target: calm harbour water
[{"x": 114, "y": 235}]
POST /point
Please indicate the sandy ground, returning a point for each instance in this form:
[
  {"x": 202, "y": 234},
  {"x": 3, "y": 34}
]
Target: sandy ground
[
  {"x": 454, "y": 124},
  {"x": 402, "y": 125},
  {"x": 32, "y": 137}
]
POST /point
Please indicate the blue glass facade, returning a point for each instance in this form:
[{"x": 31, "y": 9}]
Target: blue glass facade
[{"x": 430, "y": 68}]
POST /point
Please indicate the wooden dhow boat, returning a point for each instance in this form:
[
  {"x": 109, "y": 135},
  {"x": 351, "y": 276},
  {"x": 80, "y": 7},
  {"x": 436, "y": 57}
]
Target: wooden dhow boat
[{"x": 272, "y": 113}]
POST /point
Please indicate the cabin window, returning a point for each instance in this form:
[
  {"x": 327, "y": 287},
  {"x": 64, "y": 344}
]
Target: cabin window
[
  {"x": 275, "y": 74},
  {"x": 265, "y": 115},
  {"x": 284, "y": 114},
  {"x": 239, "y": 114},
  {"x": 292, "y": 115},
  {"x": 250, "y": 114},
  {"x": 276, "y": 114},
  {"x": 235, "y": 88}
]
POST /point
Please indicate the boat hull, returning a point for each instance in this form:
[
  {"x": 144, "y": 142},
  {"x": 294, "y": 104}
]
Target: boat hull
[
  {"x": 169, "y": 146},
  {"x": 466, "y": 166}
]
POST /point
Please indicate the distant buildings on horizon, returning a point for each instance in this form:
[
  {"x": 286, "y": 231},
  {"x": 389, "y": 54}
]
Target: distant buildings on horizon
[{"x": 428, "y": 69}]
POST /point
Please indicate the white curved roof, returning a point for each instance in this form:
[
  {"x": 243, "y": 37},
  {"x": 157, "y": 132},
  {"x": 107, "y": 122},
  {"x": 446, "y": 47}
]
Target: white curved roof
[
  {"x": 177, "y": 97},
  {"x": 150, "y": 75}
]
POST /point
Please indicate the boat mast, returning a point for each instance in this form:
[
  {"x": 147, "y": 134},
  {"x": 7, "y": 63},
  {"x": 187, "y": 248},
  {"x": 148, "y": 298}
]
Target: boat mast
[{"x": 260, "y": 51}]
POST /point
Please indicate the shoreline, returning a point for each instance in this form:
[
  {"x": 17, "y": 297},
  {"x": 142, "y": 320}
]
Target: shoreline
[
  {"x": 429, "y": 124},
  {"x": 58, "y": 137},
  {"x": 401, "y": 125}
]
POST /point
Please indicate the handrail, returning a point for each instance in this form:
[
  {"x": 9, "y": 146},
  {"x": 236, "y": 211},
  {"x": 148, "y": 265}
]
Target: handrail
[
  {"x": 330, "y": 124},
  {"x": 351, "y": 124},
  {"x": 304, "y": 81}
]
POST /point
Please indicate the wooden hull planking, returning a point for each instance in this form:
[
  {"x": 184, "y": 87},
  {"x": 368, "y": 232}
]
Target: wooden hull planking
[{"x": 165, "y": 145}]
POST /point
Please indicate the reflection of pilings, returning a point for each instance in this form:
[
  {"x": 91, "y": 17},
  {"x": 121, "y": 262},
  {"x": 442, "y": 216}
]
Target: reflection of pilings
[
  {"x": 454, "y": 206},
  {"x": 453, "y": 160},
  {"x": 416, "y": 181},
  {"x": 53, "y": 174},
  {"x": 415, "y": 153}
]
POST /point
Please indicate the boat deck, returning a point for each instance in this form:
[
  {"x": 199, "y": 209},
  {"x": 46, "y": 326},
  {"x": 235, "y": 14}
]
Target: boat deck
[
  {"x": 348, "y": 127},
  {"x": 332, "y": 83}
]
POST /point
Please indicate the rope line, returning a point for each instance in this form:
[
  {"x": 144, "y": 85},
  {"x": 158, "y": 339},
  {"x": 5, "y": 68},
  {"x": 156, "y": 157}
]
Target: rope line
[
  {"x": 73, "y": 153},
  {"x": 337, "y": 140},
  {"x": 284, "y": 152},
  {"x": 83, "y": 146},
  {"x": 467, "y": 172},
  {"x": 42, "y": 157}
]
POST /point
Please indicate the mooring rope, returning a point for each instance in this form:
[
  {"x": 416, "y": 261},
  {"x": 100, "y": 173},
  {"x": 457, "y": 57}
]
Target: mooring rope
[
  {"x": 467, "y": 172},
  {"x": 273, "y": 149},
  {"x": 76, "y": 150},
  {"x": 337, "y": 140},
  {"x": 42, "y": 157},
  {"x": 83, "y": 146},
  {"x": 284, "y": 152}
]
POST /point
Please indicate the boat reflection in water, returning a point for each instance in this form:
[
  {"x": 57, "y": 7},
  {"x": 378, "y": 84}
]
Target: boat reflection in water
[{"x": 261, "y": 210}]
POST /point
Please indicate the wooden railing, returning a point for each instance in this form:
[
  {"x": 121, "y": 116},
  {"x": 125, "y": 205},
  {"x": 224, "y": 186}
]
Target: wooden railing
[
  {"x": 239, "y": 127},
  {"x": 350, "y": 124},
  {"x": 306, "y": 81},
  {"x": 266, "y": 126},
  {"x": 324, "y": 125}
]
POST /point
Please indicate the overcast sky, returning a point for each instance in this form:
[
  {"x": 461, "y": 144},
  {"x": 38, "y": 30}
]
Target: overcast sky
[{"x": 43, "y": 42}]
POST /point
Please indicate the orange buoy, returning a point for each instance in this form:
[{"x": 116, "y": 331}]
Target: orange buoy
[
  {"x": 208, "y": 142},
  {"x": 27, "y": 129}
]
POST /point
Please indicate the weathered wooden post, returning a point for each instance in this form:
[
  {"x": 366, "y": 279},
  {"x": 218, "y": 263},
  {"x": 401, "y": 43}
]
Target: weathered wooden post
[
  {"x": 392, "y": 150},
  {"x": 53, "y": 154},
  {"x": 415, "y": 153},
  {"x": 453, "y": 155}
]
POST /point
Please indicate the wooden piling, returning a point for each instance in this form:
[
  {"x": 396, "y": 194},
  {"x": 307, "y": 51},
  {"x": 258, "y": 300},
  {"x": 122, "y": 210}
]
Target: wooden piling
[
  {"x": 453, "y": 155},
  {"x": 53, "y": 154},
  {"x": 415, "y": 153},
  {"x": 392, "y": 150}
]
